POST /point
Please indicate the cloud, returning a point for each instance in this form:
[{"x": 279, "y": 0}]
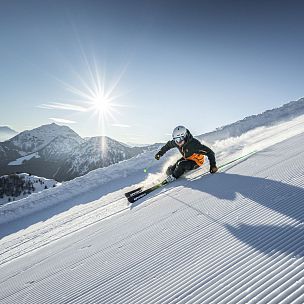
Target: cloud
[
  {"x": 62, "y": 106},
  {"x": 62, "y": 120},
  {"x": 121, "y": 126}
]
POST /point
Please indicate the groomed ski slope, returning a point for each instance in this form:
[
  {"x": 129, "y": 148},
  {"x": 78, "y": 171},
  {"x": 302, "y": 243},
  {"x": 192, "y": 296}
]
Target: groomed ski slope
[{"x": 232, "y": 237}]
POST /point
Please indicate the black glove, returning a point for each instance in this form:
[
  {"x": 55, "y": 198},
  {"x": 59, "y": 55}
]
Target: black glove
[
  {"x": 157, "y": 156},
  {"x": 213, "y": 169}
]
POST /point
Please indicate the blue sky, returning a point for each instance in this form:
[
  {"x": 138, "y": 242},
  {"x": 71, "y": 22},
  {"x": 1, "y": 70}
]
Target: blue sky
[{"x": 133, "y": 70}]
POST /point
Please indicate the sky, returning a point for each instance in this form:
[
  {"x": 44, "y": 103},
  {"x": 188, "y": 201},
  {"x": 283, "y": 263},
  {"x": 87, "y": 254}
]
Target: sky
[{"x": 134, "y": 70}]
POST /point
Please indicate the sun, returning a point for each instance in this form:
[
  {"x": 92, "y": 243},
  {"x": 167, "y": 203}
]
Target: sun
[
  {"x": 101, "y": 104},
  {"x": 93, "y": 94},
  {"x": 96, "y": 97}
]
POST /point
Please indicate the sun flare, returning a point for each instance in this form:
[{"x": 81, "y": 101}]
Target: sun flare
[
  {"x": 101, "y": 104},
  {"x": 93, "y": 94}
]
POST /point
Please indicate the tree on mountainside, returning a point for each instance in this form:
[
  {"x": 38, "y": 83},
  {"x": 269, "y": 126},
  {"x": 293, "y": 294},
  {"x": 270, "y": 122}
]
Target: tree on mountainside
[{"x": 13, "y": 185}]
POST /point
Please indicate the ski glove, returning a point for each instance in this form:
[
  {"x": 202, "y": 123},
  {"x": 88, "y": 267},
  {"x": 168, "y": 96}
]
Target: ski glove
[
  {"x": 157, "y": 156},
  {"x": 213, "y": 169}
]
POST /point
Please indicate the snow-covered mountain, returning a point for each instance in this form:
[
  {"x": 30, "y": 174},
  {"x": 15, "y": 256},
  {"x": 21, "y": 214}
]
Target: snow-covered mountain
[
  {"x": 97, "y": 152},
  {"x": 39, "y": 151},
  {"x": 49, "y": 141},
  {"x": 6, "y": 133},
  {"x": 131, "y": 144},
  {"x": 58, "y": 152},
  {"x": 39, "y": 138},
  {"x": 232, "y": 237},
  {"x": 8, "y": 152}
]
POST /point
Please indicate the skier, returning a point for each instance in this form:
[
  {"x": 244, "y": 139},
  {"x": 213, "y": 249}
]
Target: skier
[{"x": 192, "y": 150}]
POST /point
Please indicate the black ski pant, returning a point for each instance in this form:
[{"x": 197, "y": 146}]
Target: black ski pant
[{"x": 181, "y": 166}]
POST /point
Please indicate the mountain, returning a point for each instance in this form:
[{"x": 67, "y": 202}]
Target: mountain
[
  {"x": 39, "y": 138},
  {"x": 58, "y": 152},
  {"x": 8, "y": 152},
  {"x": 40, "y": 151},
  {"x": 130, "y": 144},
  {"x": 6, "y": 133},
  {"x": 232, "y": 237},
  {"x": 268, "y": 118},
  {"x": 97, "y": 152}
]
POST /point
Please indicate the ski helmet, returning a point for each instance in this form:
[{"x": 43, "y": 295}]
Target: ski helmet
[{"x": 180, "y": 134}]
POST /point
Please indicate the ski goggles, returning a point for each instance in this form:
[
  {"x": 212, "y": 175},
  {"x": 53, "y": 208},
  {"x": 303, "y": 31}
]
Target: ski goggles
[{"x": 179, "y": 139}]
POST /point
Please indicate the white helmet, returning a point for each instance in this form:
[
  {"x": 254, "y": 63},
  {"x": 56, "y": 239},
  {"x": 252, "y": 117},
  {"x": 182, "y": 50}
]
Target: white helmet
[{"x": 179, "y": 134}]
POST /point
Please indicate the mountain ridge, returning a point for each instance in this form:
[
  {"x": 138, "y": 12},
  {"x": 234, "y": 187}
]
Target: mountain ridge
[
  {"x": 58, "y": 152},
  {"x": 6, "y": 133}
]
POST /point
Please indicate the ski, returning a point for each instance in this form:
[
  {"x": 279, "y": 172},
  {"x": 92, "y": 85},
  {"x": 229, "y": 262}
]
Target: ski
[
  {"x": 138, "y": 193},
  {"x": 133, "y": 192}
]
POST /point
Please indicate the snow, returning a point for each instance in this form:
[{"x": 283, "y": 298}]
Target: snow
[
  {"x": 20, "y": 160},
  {"x": 232, "y": 237},
  {"x": 268, "y": 118}
]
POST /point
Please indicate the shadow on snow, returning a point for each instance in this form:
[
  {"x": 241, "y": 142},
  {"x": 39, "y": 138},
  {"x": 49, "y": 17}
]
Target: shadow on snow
[{"x": 285, "y": 199}]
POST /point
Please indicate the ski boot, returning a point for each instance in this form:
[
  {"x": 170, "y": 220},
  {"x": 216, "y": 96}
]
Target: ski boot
[{"x": 169, "y": 179}]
